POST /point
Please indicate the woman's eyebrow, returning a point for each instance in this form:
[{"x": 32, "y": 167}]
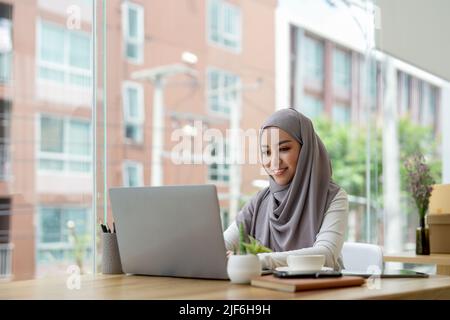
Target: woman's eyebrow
[
  {"x": 280, "y": 143},
  {"x": 284, "y": 141}
]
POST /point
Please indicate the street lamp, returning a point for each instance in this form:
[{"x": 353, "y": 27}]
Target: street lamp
[
  {"x": 158, "y": 77},
  {"x": 234, "y": 143}
]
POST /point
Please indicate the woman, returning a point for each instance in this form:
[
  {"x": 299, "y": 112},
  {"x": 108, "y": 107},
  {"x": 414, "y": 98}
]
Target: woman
[{"x": 302, "y": 211}]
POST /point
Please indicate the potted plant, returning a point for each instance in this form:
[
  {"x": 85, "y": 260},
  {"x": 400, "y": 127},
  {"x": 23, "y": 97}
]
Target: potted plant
[
  {"x": 420, "y": 183},
  {"x": 244, "y": 264}
]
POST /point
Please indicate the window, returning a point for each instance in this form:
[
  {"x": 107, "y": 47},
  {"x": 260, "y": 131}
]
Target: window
[
  {"x": 313, "y": 59},
  {"x": 132, "y": 174},
  {"x": 427, "y": 104},
  {"x": 221, "y": 96},
  {"x": 225, "y": 218},
  {"x": 64, "y": 56},
  {"x": 219, "y": 170},
  {"x": 60, "y": 231},
  {"x": 133, "y": 111},
  {"x": 224, "y": 24},
  {"x": 341, "y": 69},
  {"x": 405, "y": 82},
  {"x": 312, "y": 107},
  {"x": 133, "y": 31},
  {"x": 64, "y": 144},
  {"x": 5, "y": 125},
  {"x": 5, "y": 49},
  {"x": 341, "y": 114},
  {"x": 373, "y": 82}
]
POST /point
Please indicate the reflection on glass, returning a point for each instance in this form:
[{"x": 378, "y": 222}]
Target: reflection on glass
[
  {"x": 245, "y": 68},
  {"x": 46, "y": 168}
]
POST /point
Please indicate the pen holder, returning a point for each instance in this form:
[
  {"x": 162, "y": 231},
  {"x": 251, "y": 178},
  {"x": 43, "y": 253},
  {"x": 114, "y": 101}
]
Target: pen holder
[{"x": 111, "y": 263}]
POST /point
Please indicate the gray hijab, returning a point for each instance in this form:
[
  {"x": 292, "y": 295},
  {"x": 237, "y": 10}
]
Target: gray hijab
[{"x": 289, "y": 217}]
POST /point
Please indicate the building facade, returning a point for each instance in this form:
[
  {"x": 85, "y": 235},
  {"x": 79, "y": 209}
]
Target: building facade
[{"x": 47, "y": 93}]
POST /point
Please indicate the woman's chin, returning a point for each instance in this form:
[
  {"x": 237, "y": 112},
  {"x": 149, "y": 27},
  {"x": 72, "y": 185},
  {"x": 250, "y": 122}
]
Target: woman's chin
[{"x": 281, "y": 182}]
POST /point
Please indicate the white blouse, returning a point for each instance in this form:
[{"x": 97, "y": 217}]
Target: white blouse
[{"x": 328, "y": 242}]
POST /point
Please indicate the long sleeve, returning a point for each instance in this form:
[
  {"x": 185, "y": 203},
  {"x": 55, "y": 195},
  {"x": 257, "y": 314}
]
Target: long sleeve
[
  {"x": 329, "y": 240},
  {"x": 231, "y": 236}
]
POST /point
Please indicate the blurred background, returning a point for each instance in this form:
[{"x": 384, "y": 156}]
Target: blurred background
[{"x": 91, "y": 93}]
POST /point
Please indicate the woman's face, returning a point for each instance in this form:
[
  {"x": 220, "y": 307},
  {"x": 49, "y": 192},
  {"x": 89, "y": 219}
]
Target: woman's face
[{"x": 279, "y": 154}]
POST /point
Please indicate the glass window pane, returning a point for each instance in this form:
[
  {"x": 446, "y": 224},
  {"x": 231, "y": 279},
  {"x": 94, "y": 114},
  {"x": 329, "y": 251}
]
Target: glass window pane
[
  {"x": 79, "y": 166},
  {"x": 214, "y": 20},
  {"x": 133, "y": 103},
  {"x": 341, "y": 69},
  {"x": 5, "y": 66},
  {"x": 80, "y": 80},
  {"x": 51, "y": 74},
  {"x": 50, "y": 225},
  {"x": 79, "y": 138},
  {"x": 132, "y": 50},
  {"x": 79, "y": 55},
  {"x": 132, "y": 23},
  {"x": 51, "y": 165},
  {"x": 52, "y": 43},
  {"x": 312, "y": 107},
  {"x": 224, "y": 23},
  {"x": 341, "y": 113},
  {"x": 133, "y": 132},
  {"x": 52, "y": 134},
  {"x": 132, "y": 176},
  {"x": 313, "y": 58},
  {"x": 79, "y": 218}
]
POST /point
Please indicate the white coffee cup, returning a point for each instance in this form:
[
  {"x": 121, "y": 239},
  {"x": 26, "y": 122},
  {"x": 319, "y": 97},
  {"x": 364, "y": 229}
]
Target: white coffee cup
[{"x": 305, "y": 262}]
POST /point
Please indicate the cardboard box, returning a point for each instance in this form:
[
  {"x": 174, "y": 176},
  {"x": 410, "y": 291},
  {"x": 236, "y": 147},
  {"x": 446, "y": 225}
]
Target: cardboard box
[
  {"x": 440, "y": 199},
  {"x": 439, "y": 225}
]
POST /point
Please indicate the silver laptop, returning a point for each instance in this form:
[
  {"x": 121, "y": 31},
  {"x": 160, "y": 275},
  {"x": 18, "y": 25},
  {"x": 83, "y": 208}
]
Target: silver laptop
[{"x": 170, "y": 231}]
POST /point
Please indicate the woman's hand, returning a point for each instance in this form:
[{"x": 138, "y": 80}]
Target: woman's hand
[{"x": 229, "y": 253}]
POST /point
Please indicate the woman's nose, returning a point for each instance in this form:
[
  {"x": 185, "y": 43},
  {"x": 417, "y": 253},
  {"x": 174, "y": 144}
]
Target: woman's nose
[{"x": 274, "y": 160}]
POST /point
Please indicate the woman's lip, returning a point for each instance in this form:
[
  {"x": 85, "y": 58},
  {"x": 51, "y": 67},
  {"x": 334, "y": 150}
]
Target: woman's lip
[{"x": 279, "y": 172}]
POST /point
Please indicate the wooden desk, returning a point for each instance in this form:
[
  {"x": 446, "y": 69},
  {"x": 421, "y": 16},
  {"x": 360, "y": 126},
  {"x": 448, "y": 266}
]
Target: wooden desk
[
  {"x": 442, "y": 261},
  {"x": 142, "y": 287}
]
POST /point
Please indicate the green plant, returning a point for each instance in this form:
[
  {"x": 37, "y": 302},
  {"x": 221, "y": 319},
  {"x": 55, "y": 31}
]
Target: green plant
[{"x": 252, "y": 247}]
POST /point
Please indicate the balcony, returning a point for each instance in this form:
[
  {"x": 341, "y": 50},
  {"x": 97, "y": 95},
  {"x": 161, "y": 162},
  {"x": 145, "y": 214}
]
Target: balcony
[
  {"x": 6, "y": 250},
  {"x": 4, "y": 161}
]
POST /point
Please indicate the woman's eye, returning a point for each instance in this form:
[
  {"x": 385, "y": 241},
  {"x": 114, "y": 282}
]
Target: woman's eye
[
  {"x": 266, "y": 152},
  {"x": 284, "y": 149}
]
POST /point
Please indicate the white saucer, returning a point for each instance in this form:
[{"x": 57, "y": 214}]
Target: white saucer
[{"x": 294, "y": 270}]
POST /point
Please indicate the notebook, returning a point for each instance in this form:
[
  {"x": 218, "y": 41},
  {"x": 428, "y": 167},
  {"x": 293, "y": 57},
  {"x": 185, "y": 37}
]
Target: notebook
[{"x": 301, "y": 284}]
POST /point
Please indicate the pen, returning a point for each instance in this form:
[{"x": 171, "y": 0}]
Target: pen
[{"x": 114, "y": 227}]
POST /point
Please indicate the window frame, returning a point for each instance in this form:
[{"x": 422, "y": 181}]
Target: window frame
[
  {"x": 307, "y": 75},
  {"x": 127, "y": 119},
  {"x": 349, "y": 113},
  {"x": 62, "y": 209},
  {"x": 339, "y": 76},
  {"x": 221, "y": 171},
  {"x": 221, "y": 95},
  {"x": 65, "y": 156},
  {"x": 139, "y": 40},
  {"x": 140, "y": 170},
  {"x": 222, "y": 34},
  {"x": 5, "y": 76},
  {"x": 65, "y": 67}
]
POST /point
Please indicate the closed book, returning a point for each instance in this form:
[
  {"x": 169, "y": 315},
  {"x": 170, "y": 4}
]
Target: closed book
[{"x": 301, "y": 284}]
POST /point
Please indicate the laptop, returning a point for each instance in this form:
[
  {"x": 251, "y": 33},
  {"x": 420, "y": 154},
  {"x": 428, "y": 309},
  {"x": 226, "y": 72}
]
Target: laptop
[{"x": 170, "y": 231}]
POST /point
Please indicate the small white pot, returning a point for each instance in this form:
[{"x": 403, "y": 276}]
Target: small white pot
[{"x": 242, "y": 268}]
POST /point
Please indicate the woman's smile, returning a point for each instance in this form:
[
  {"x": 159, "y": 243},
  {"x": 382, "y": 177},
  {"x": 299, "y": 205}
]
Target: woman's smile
[{"x": 279, "y": 172}]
